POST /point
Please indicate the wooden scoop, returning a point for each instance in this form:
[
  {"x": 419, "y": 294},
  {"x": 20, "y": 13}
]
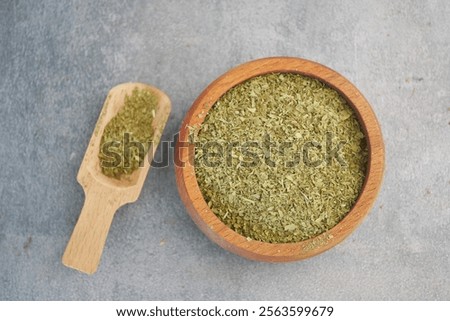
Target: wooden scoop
[{"x": 104, "y": 195}]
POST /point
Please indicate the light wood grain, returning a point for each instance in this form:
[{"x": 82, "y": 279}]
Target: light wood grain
[
  {"x": 104, "y": 195},
  {"x": 213, "y": 227}
]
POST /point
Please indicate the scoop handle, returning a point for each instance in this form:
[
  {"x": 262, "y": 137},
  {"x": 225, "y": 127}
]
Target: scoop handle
[{"x": 85, "y": 247}]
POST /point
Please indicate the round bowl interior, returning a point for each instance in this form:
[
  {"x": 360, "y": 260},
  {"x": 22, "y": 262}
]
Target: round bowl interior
[{"x": 230, "y": 240}]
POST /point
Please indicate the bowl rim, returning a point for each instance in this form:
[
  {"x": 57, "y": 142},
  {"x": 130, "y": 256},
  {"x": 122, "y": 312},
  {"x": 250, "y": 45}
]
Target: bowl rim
[{"x": 234, "y": 242}]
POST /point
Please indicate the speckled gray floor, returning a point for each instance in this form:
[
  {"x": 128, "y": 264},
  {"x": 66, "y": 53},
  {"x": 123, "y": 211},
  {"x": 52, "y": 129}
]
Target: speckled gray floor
[{"x": 59, "y": 59}]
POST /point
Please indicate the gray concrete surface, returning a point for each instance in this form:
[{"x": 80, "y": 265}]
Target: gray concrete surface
[{"x": 58, "y": 59}]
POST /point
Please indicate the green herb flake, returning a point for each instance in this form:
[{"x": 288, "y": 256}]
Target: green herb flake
[
  {"x": 282, "y": 204},
  {"x": 133, "y": 123}
]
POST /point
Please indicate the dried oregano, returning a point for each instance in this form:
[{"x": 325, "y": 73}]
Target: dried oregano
[
  {"x": 128, "y": 136},
  {"x": 280, "y": 158}
]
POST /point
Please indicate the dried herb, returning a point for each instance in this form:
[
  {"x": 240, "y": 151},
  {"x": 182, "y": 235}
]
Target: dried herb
[
  {"x": 280, "y": 158},
  {"x": 128, "y": 136}
]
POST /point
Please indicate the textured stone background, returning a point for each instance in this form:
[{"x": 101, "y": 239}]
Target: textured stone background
[{"x": 59, "y": 59}]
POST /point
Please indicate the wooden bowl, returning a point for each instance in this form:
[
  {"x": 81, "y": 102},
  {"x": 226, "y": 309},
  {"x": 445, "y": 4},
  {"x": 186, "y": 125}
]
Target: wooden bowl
[{"x": 230, "y": 240}]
